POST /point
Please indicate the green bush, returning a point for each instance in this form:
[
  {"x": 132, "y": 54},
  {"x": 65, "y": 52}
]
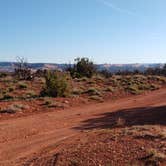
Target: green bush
[
  {"x": 133, "y": 89},
  {"x": 11, "y": 89},
  {"x": 22, "y": 86},
  {"x": 110, "y": 89},
  {"x": 161, "y": 79},
  {"x": 83, "y": 68},
  {"x": 154, "y": 87},
  {"x": 7, "y": 97},
  {"x": 2, "y": 75},
  {"x": 106, "y": 73},
  {"x": 56, "y": 85},
  {"x": 11, "y": 109},
  {"x": 31, "y": 94},
  {"x": 93, "y": 91},
  {"x": 4, "y": 92},
  {"x": 77, "y": 91},
  {"x": 84, "y": 79},
  {"x": 48, "y": 102},
  {"x": 96, "y": 98}
]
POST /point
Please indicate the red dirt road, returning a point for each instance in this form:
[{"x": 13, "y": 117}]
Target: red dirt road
[{"x": 22, "y": 138}]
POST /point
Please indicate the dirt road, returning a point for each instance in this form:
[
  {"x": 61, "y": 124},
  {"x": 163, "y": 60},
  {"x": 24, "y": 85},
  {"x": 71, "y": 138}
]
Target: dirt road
[{"x": 23, "y": 137}]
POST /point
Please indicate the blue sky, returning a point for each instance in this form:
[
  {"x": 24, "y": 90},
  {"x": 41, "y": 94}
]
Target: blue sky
[{"x": 106, "y": 31}]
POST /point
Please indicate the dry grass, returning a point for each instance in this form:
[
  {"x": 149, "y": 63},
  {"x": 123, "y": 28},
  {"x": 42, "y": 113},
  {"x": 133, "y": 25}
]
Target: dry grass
[{"x": 13, "y": 108}]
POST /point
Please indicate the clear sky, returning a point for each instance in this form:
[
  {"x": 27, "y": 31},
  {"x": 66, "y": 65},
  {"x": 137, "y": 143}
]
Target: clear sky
[{"x": 107, "y": 31}]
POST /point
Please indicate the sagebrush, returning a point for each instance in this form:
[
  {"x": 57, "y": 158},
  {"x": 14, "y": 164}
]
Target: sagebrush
[{"x": 57, "y": 84}]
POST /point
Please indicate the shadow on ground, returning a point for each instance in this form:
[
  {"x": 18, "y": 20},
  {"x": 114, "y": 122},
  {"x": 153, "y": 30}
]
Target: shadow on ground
[{"x": 126, "y": 118}]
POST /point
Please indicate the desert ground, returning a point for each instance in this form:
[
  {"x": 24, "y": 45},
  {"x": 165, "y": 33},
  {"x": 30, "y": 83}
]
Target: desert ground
[
  {"x": 39, "y": 139},
  {"x": 117, "y": 121}
]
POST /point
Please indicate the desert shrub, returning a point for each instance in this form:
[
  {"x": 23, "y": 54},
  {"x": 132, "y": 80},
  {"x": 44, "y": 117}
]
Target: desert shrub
[
  {"x": 82, "y": 68},
  {"x": 31, "y": 94},
  {"x": 138, "y": 84},
  {"x": 110, "y": 89},
  {"x": 56, "y": 85},
  {"x": 133, "y": 89},
  {"x": 50, "y": 103},
  {"x": 84, "y": 79},
  {"x": 149, "y": 77},
  {"x": 164, "y": 70},
  {"x": 91, "y": 82},
  {"x": 11, "y": 109},
  {"x": 93, "y": 91},
  {"x": 99, "y": 78},
  {"x": 7, "y": 97},
  {"x": 22, "y": 85},
  {"x": 8, "y": 110},
  {"x": 146, "y": 86},
  {"x": 2, "y": 75},
  {"x": 114, "y": 81},
  {"x": 96, "y": 98},
  {"x": 77, "y": 91},
  {"x": 22, "y": 70},
  {"x": 15, "y": 81},
  {"x": 47, "y": 102},
  {"x": 154, "y": 87},
  {"x": 156, "y": 71},
  {"x": 20, "y": 107},
  {"x": 154, "y": 157},
  {"x": 4, "y": 92},
  {"x": 106, "y": 73},
  {"x": 8, "y": 79},
  {"x": 161, "y": 79},
  {"x": 40, "y": 73},
  {"x": 11, "y": 89}
]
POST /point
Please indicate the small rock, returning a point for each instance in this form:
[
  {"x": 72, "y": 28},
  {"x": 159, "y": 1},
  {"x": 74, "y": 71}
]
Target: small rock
[{"x": 66, "y": 102}]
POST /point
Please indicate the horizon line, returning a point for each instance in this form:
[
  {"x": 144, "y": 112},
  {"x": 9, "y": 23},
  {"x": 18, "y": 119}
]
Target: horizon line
[{"x": 94, "y": 63}]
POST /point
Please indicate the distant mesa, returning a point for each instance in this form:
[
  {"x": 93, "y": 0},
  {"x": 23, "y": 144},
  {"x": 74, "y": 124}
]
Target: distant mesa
[{"x": 8, "y": 66}]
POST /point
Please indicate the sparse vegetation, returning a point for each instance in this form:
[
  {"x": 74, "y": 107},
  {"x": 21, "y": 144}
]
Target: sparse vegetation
[
  {"x": 11, "y": 89},
  {"x": 8, "y": 111},
  {"x": 3, "y": 74},
  {"x": 77, "y": 91},
  {"x": 31, "y": 94},
  {"x": 106, "y": 107},
  {"x": 56, "y": 85},
  {"x": 154, "y": 157},
  {"x": 97, "y": 98},
  {"x": 93, "y": 91},
  {"x": 7, "y": 97},
  {"x": 47, "y": 101},
  {"x": 105, "y": 73},
  {"x": 22, "y": 69},
  {"x": 110, "y": 89},
  {"x": 22, "y": 85},
  {"x": 19, "y": 97},
  {"x": 11, "y": 109}
]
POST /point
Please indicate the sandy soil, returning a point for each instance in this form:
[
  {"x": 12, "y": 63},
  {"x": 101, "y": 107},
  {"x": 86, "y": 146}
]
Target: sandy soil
[{"x": 35, "y": 135}]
